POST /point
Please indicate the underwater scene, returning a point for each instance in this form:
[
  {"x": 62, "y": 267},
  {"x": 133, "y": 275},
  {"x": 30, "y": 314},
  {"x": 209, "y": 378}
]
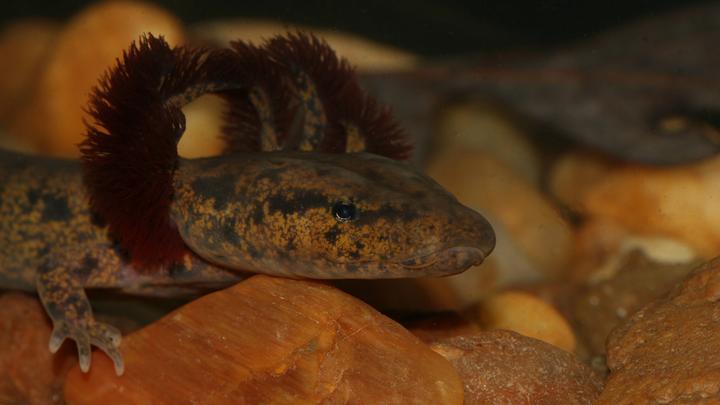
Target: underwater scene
[{"x": 494, "y": 202}]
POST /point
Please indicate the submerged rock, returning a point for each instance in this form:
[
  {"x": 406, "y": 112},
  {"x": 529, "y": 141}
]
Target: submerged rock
[
  {"x": 474, "y": 124},
  {"x": 599, "y": 307},
  {"x": 527, "y": 315},
  {"x": 503, "y": 367},
  {"x": 668, "y": 351},
  {"x": 365, "y": 54},
  {"x": 574, "y": 173},
  {"x": 603, "y": 248},
  {"x": 82, "y": 52},
  {"x": 678, "y": 203},
  {"x": 29, "y": 373},
  {"x": 271, "y": 340},
  {"x": 24, "y": 47}
]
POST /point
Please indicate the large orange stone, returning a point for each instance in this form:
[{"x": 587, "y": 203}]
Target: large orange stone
[
  {"x": 83, "y": 51},
  {"x": 29, "y": 373},
  {"x": 24, "y": 48},
  {"x": 271, "y": 340}
]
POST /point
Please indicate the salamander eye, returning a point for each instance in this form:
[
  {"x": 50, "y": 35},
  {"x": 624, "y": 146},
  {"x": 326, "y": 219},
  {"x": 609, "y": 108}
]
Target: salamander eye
[{"x": 344, "y": 211}]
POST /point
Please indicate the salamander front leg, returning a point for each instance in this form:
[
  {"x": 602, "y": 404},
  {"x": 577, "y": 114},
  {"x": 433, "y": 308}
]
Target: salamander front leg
[{"x": 62, "y": 294}]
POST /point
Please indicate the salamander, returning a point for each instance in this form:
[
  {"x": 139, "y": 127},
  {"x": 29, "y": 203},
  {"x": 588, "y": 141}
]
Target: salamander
[{"x": 302, "y": 191}]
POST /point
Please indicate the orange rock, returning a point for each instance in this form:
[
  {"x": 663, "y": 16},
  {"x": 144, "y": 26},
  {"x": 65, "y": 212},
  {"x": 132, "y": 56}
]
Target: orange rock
[
  {"x": 678, "y": 202},
  {"x": 602, "y": 247},
  {"x": 668, "y": 351},
  {"x": 503, "y": 367},
  {"x": 527, "y": 315},
  {"x": 271, "y": 340},
  {"x": 29, "y": 373},
  {"x": 24, "y": 48},
  {"x": 480, "y": 125},
  {"x": 204, "y": 122},
  {"x": 573, "y": 175},
  {"x": 84, "y": 50},
  {"x": 599, "y": 307},
  {"x": 363, "y": 53}
]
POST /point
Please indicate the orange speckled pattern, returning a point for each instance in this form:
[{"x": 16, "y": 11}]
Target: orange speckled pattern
[
  {"x": 44, "y": 218},
  {"x": 315, "y": 121},
  {"x": 294, "y": 213},
  {"x": 44, "y": 211},
  {"x": 49, "y": 241},
  {"x": 268, "y": 212},
  {"x": 273, "y": 213}
]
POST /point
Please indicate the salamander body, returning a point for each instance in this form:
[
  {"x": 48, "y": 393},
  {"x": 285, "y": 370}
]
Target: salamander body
[{"x": 296, "y": 212}]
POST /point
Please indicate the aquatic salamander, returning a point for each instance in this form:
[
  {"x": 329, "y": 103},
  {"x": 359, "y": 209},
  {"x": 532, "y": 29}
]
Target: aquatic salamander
[{"x": 297, "y": 194}]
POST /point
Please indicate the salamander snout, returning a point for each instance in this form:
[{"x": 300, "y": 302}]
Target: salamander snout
[
  {"x": 468, "y": 240},
  {"x": 479, "y": 235}
]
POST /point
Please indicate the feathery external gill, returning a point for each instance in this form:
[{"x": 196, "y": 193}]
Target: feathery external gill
[
  {"x": 310, "y": 82},
  {"x": 130, "y": 153},
  {"x": 292, "y": 93}
]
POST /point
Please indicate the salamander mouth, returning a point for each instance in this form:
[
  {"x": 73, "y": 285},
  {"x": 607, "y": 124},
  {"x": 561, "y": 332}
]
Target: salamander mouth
[
  {"x": 447, "y": 261},
  {"x": 452, "y": 259}
]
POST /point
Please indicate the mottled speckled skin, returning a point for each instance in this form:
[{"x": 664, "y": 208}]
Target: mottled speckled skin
[
  {"x": 268, "y": 212},
  {"x": 44, "y": 219},
  {"x": 272, "y": 213},
  {"x": 50, "y": 242},
  {"x": 314, "y": 119}
]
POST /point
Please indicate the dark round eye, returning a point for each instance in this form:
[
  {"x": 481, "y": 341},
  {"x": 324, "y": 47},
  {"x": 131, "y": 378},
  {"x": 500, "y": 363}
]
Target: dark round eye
[{"x": 344, "y": 211}]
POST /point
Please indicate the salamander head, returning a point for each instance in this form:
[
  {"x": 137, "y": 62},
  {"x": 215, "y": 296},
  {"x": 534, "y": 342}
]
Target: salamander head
[{"x": 325, "y": 216}]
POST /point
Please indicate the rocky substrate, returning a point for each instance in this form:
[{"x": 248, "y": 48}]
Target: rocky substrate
[{"x": 602, "y": 287}]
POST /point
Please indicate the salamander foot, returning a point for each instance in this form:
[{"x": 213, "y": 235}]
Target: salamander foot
[{"x": 103, "y": 336}]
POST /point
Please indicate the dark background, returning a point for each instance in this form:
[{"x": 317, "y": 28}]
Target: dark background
[{"x": 427, "y": 27}]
